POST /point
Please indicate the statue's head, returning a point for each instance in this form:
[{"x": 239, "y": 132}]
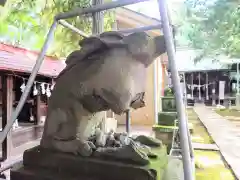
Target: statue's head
[
  {"x": 142, "y": 50},
  {"x": 120, "y": 72},
  {"x": 145, "y": 50}
]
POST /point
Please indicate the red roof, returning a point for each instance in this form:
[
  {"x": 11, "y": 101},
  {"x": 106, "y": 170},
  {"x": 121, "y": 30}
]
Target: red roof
[{"x": 22, "y": 60}]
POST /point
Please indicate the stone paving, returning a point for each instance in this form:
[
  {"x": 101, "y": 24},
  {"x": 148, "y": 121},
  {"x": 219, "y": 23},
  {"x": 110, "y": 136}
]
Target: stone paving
[
  {"x": 225, "y": 134},
  {"x": 17, "y": 155}
]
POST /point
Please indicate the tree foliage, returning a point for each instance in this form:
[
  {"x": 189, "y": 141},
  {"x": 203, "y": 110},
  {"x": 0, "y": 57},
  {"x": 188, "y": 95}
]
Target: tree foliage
[
  {"x": 26, "y": 23},
  {"x": 213, "y": 26}
]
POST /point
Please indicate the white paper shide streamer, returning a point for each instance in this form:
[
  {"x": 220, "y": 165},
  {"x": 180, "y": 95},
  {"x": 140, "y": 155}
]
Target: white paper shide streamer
[
  {"x": 43, "y": 88},
  {"x": 35, "y": 91},
  {"x": 23, "y": 86},
  {"x": 48, "y": 92}
]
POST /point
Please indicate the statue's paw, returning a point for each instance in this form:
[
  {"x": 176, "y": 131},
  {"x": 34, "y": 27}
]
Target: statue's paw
[
  {"x": 85, "y": 148},
  {"x": 90, "y": 143}
]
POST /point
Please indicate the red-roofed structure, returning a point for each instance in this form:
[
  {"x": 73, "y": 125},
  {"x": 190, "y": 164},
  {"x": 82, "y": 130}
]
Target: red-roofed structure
[
  {"x": 16, "y": 64},
  {"x": 22, "y": 60}
]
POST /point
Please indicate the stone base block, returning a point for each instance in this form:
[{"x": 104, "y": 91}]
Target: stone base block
[{"x": 40, "y": 164}]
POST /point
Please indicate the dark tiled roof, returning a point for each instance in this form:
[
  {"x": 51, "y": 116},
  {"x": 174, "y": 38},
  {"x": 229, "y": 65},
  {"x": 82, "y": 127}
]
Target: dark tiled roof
[
  {"x": 185, "y": 62},
  {"x": 22, "y": 60}
]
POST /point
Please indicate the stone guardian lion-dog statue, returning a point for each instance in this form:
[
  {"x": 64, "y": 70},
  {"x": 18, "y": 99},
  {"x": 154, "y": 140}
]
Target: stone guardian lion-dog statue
[{"x": 108, "y": 72}]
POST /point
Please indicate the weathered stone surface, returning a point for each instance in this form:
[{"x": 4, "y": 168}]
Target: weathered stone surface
[
  {"x": 130, "y": 153},
  {"x": 108, "y": 72},
  {"x": 19, "y": 172},
  {"x": 49, "y": 165}
]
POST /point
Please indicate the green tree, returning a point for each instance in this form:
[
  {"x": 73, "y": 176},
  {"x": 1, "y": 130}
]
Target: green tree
[
  {"x": 213, "y": 26},
  {"x": 26, "y": 23}
]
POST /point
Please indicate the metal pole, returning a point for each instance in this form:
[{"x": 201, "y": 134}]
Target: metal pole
[
  {"x": 187, "y": 164},
  {"x": 114, "y": 28},
  {"x": 140, "y": 29},
  {"x": 98, "y": 21},
  {"x": 191, "y": 149},
  {"x": 155, "y": 90},
  {"x": 188, "y": 132},
  {"x": 98, "y": 28},
  {"x": 31, "y": 79},
  {"x": 74, "y": 29},
  {"x": 128, "y": 121},
  {"x": 97, "y": 8}
]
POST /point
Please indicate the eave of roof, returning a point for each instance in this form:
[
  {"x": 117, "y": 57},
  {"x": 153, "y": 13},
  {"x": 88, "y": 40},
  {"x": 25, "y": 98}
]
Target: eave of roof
[
  {"x": 185, "y": 62},
  {"x": 135, "y": 19},
  {"x": 143, "y": 15},
  {"x": 23, "y": 60}
]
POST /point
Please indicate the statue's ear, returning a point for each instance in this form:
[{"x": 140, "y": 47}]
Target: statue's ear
[
  {"x": 90, "y": 41},
  {"x": 108, "y": 39},
  {"x": 143, "y": 48},
  {"x": 137, "y": 45},
  {"x": 136, "y": 42},
  {"x": 112, "y": 35},
  {"x": 160, "y": 46}
]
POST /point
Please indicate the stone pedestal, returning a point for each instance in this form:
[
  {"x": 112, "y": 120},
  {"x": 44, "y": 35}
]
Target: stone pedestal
[{"x": 40, "y": 164}]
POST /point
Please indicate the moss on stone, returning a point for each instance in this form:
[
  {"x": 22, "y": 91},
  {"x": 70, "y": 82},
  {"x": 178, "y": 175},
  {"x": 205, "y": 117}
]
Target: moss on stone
[
  {"x": 211, "y": 166},
  {"x": 167, "y": 118},
  {"x": 160, "y": 163}
]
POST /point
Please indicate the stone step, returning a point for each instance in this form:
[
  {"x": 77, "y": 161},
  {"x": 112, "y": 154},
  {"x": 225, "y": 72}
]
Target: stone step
[{"x": 200, "y": 146}]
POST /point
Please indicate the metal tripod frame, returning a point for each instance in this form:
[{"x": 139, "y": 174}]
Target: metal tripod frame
[{"x": 167, "y": 31}]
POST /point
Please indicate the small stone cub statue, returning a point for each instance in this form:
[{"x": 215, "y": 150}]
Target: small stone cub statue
[{"x": 108, "y": 72}]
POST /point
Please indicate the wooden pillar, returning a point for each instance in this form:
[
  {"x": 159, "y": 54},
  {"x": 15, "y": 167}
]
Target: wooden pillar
[
  {"x": 185, "y": 89},
  {"x": 207, "y": 95},
  {"x": 7, "y": 107},
  {"x": 192, "y": 85},
  {"x": 199, "y": 86},
  {"x": 237, "y": 96},
  {"x": 214, "y": 94},
  {"x": 37, "y": 107}
]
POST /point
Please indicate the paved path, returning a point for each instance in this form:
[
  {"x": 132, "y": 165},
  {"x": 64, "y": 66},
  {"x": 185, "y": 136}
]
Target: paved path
[
  {"x": 225, "y": 134},
  {"x": 17, "y": 155}
]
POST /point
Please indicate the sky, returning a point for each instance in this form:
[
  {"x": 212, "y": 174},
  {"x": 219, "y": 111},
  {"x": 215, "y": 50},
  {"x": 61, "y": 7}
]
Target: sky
[{"x": 150, "y": 8}]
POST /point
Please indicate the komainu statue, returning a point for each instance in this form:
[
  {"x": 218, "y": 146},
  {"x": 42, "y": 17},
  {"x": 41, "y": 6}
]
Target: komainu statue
[{"x": 108, "y": 72}]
